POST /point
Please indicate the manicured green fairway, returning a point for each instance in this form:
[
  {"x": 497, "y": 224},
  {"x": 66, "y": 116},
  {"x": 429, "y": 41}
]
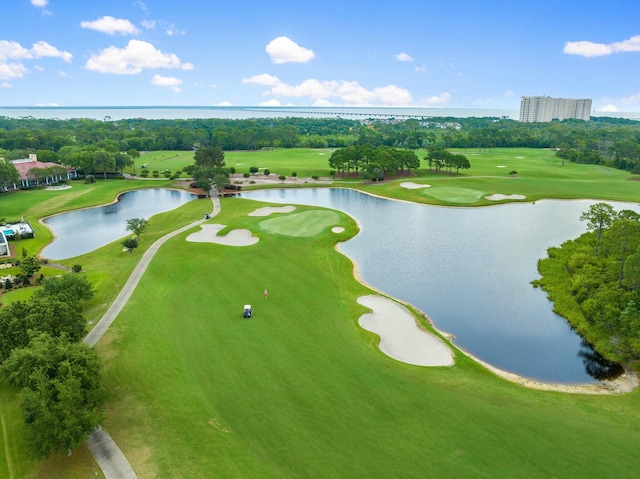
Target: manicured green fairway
[{"x": 300, "y": 390}]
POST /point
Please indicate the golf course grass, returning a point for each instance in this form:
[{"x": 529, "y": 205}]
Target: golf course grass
[{"x": 299, "y": 389}]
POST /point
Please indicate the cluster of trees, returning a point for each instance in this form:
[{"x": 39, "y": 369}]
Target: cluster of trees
[
  {"x": 595, "y": 282},
  {"x": 58, "y": 376},
  {"x": 208, "y": 168},
  {"x": 97, "y": 146},
  {"x": 373, "y": 162},
  {"x": 440, "y": 159}
]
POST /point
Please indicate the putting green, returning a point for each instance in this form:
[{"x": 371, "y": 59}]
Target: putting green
[
  {"x": 453, "y": 194},
  {"x": 304, "y": 224}
]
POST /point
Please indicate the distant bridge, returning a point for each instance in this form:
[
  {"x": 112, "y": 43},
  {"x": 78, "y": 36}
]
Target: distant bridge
[{"x": 385, "y": 116}]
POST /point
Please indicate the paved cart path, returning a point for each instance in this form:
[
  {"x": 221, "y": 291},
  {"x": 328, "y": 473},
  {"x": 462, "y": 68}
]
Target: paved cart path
[{"x": 106, "y": 452}]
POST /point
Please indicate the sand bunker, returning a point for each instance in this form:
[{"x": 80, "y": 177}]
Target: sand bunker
[
  {"x": 413, "y": 186},
  {"x": 499, "y": 196},
  {"x": 267, "y": 210},
  {"x": 400, "y": 336},
  {"x": 209, "y": 234},
  {"x": 57, "y": 187},
  {"x": 337, "y": 229},
  {"x": 502, "y": 166}
]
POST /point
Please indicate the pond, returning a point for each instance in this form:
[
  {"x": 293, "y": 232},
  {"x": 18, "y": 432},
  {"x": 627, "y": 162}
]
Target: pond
[
  {"x": 470, "y": 271},
  {"x": 81, "y": 231}
]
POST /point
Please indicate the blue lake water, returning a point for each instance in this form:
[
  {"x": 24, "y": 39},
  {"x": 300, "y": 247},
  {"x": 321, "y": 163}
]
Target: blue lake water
[
  {"x": 81, "y": 231},
  {"x": 470, "y": 271}
]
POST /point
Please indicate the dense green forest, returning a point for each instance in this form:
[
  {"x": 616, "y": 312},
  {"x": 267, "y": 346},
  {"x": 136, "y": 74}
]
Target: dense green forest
[
  {"x": 607, "y": 141},
  {"x": 594, "y": 282}
]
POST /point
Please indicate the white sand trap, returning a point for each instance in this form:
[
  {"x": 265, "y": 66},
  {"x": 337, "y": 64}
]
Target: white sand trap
[
  {"x": 209, "y": 234},
  {"x": 57, "y": 187},
  {"x": 413, "y": 186},
  {"x": 337, "y": 229},
  {"x": 267, "y": 210},
  {"x": 499, "y": 196},
  {"x": 502, "y": 166},
  {"x": 520, "y": 157},
  {"x": 400, "y": 336}
]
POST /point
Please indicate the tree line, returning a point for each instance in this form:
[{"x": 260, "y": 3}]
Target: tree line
[
  {"x": 594, "y": 282},
  {"x": 57, "y": 376},
  {"x": 607, "y": 141}
]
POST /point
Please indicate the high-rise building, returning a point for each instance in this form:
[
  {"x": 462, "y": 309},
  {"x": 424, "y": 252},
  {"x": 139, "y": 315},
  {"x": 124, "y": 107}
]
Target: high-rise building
[{"x": 544, "y": 108}]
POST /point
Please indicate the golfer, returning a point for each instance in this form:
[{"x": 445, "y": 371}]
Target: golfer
[{"x": 266, "y": 294}]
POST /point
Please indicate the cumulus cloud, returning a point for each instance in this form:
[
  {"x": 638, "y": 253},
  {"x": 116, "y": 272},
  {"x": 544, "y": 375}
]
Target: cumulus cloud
[
  {"x": 325, "y": 92},
  {"x": 12, "y": 54},
  {"x": 609, "y": 108},
  {"x": 403, "y": 57},
  {"x": 264, "y": 79},
  {"x": 592, "y": 49},
  {"x": 438, "y": 100},
  {"x": 111, "y": 26},
  {"x": 132, "y": 59},
  {"x": 171, "y": 82},
  {"x": 5, "y": 84},
  {"x": 632, "y": 99},
  {"x": 39, "y": 3},
  {"x": 43, "y": 49},
  {"x": 285, "y": 50}
]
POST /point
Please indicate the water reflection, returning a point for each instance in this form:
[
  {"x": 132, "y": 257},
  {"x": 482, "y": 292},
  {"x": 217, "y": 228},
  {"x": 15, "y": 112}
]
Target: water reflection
[
  {"x": 597, "y": 366},
  {"x": 81, "y": 231},
  {"x": 470, "y": 270}
]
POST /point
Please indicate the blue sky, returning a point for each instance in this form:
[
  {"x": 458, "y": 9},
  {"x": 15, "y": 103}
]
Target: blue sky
[{"x": 401, "y": 53}]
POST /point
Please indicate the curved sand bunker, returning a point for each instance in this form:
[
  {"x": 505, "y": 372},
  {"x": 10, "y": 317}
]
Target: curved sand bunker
[
  {"x": 337, "y": 229},
  {"x": 498, "y": 197},
  {"x": 267, "y": 210},
  {"x": 400, "y": 336},
  {"x": 209, "y": 234},
  {"x": 413, "y": 186}
]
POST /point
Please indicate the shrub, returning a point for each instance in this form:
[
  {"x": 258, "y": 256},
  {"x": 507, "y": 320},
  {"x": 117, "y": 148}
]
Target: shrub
[
  {"x": 89, "y": 179},
  {"x": 144, "y": 173},
  {"x": 267, "y": 172},
  {"x": 232, "y": 170},
  {"x": 315, "y": 177},
  {"x": 76, "y": 268},
  {"x": 282, "y": 177},
  {"x": 247, "y": 175},
  {"x": 513, "y": 172},
  {"x": 253, "y": 169},
  {"x": 252, "y": 182},
  {"x": 294, "y": 174}
]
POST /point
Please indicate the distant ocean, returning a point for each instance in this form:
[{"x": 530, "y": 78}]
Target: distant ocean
[{"x": 246, "y": 112}]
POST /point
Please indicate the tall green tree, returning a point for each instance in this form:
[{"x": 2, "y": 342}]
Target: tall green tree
[
  {"x": 61, "y": 396},
  {"x": 598, "y": 217},
  {"x": 209, "y": 157},
  {"x": 137, "y": 226}
]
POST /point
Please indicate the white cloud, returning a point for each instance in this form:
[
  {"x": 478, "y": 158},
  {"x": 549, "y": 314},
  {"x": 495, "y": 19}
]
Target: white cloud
[
  {"x": 148, "y": 24},
  {"x": 272, "y": 102},
  {"x": 592, "y": 49},
  {"x": 224, "y": 103},
  {"x": 40, "y": 3},
  {"x": 264, "y": 79},
  {"x": 171, "y": 82},
  {"x": 609, "y": 108},
  {"x": 47, "y": 104},
  {"x": 438, "y": 100},
  {"x": 285, "y": 50},
  {"x": 12, "y": 54},
  {"x": 345, "y": 92},
  {"x": 43, "y": 49},
  {"x": 509, "y": 93},
  {"x": 632, "y": 99},
  {"x": 111, "y": 26},
  {"x": 213, "y": 85},
  {"x": 422, "y": 68},
  {"x": 403, "y": 57},
  {"x": 142, "y": 5},
  {"x": 132, "y": 59},
  {"x": 5, "y": 84}
]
